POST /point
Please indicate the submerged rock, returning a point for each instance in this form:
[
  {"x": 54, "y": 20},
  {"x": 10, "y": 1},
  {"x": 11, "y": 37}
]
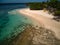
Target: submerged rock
[{"x": 33, "y": 36}]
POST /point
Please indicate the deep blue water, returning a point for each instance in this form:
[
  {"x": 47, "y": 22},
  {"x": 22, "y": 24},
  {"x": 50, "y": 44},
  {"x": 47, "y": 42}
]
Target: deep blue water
[
  {"x": 12, "y": 22},
  {"x": 20, "y": 1}
]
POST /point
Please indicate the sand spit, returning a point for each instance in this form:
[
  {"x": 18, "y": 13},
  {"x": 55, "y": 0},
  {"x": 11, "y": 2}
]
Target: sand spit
[{"x": 44, "y": 18}]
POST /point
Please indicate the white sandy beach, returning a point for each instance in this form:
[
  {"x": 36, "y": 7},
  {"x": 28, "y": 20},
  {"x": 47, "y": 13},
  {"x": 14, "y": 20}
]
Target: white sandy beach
[{"x": 43, "y": 18}]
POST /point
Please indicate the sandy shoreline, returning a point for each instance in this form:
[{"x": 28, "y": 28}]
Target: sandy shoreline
[{"x": 42, "y": 18}]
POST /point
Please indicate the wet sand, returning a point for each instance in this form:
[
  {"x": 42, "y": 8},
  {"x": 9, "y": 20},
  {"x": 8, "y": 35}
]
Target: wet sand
[{"x": 33, "y": 36}]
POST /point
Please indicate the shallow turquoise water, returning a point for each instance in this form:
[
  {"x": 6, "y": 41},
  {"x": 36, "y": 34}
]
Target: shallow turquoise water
[{"x": 12, "y": 24}]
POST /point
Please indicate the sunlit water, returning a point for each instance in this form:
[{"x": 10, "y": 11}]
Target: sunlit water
[{"x": 11, "y": 22}]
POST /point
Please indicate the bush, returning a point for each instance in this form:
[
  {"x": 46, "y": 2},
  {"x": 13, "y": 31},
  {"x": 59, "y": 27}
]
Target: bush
[
  {"x": 57, "y": 13},
  {"x": 35, "y": 6}
]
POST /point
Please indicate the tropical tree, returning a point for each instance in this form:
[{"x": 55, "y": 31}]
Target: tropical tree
[{"x": 53, "y": 3}]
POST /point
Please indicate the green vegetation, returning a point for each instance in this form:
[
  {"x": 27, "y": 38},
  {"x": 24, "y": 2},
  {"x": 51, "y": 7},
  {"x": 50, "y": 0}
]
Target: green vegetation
[
  {"x": 35, "y": 6},
  {"x": 57, "y": 13},
  {"x": 55, "y": 4},
  {"x": 51, "y": 5}
]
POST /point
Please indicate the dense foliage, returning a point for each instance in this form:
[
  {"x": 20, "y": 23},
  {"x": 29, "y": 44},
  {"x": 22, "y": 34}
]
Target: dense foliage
[
  {"x": 35, "y": 6},
  {"x": 55, "y": 4},
  {"x": 57, "y": 13},
  {"x": 51, "y": 5}
]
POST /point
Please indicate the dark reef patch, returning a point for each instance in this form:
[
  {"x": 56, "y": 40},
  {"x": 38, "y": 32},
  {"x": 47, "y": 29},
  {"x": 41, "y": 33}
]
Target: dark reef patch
[{"x": 32, "y": 36}]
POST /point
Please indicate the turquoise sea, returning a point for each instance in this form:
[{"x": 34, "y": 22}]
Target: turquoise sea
[{"x": 12, "y": 22}]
